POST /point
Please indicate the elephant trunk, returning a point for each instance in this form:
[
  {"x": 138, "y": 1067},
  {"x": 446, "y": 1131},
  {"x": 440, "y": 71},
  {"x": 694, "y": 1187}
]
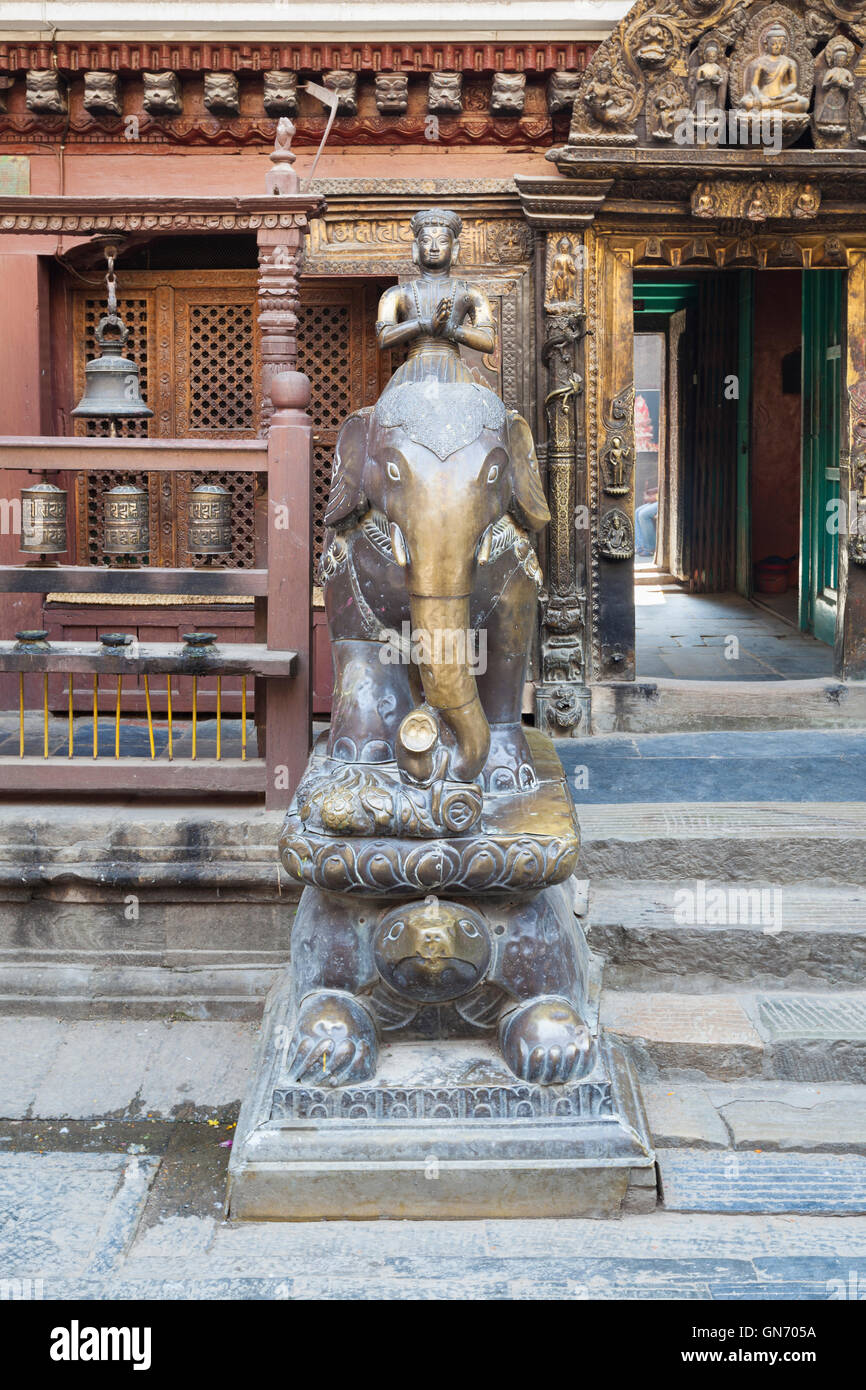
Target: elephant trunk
[{"x": 444, "y": 646}]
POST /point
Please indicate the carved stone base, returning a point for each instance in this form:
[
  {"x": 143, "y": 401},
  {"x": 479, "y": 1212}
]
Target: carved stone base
[
  {"x": 445, "y": 1130},
  {"x": 562, "y": 708}
]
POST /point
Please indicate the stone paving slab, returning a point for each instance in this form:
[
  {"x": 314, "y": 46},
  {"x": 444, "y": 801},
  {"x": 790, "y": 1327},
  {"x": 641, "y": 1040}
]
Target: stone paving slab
[
  {"x": 796, "y": 934},
  {"x": 814, "y": 1037},
  {"x": 786, "y": 1017},
  {"x": 80, "y": 1213},
  {"x": 732, "y": 840},
  {"x": 702, "y": 1181},
  {"x": 797, "y": 765},
  {"x": 707, "y": 1033},
  {"x": 683, "y": 1117},
  {"x": 66, "y": 1214},
  {"x": 100, "y": 1068},
  {"x": 825, "y": 1125}
]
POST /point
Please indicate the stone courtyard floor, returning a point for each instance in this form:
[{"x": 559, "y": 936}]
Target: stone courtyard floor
[
  {"x": 687, "y": 637},
  {"x": 113, "y": 1158}
]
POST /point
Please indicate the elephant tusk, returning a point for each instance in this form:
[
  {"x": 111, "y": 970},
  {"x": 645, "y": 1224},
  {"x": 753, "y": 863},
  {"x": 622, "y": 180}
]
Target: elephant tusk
[
  {"x": 485, "y": 546},
  {"x": 398, "y": 545}
]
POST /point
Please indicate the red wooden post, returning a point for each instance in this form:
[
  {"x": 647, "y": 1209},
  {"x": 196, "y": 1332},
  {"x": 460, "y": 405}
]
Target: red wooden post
[{"x": 290, "y": 580}]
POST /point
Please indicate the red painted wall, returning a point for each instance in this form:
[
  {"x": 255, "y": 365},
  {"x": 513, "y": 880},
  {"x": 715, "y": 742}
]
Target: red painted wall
[
  {"x": 776, "y": 425},
  {"x": 24, "y": 398}
]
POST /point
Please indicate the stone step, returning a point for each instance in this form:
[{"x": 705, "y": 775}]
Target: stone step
[
  {"x": 704, "y": 934},
  {"x": 769, "y": 1116},
  {"x": 775, "y": 842},
  {"x": 661, "y": 705},
  {"x": 130, "y": 989},
  {"x": 805, "y": 1183},
  {"x": 809, "y": 1038}
]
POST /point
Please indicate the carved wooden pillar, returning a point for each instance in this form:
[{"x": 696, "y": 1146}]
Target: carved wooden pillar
[
  {"x": 611, "y": 466},
  {"x": 280, "y": 240},
  {"x": 560, "y": 694}
]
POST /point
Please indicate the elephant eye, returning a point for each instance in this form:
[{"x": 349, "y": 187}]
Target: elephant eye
[
  {"x": 393, "y": 471},
  {"x": 493, "y": 474}
]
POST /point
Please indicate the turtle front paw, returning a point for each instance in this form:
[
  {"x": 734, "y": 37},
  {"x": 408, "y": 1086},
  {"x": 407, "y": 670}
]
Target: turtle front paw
[
  {"x": 546, "y": 1041},
  {"x": 334, "y": 1042}
]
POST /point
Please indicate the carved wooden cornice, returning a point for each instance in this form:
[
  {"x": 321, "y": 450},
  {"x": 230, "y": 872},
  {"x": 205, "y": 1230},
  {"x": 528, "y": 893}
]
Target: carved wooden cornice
[
  {"x": 653, "y": 183},
  {"x": 467, "y": 128},
  {"x": 550, "y": 202},
  {"x": 314, "y": 58},
  {"x": 82, "y": 216},
  {"x": 228, "y": 95}
]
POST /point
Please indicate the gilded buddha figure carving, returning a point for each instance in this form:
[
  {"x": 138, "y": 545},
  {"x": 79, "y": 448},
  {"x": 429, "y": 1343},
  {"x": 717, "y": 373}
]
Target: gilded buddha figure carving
[
  {"x": 434, "y": 834},
  {"x": 772, "y": 77}
]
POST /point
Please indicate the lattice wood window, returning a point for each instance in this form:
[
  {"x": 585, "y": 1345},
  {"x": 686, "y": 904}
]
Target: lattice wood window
[
  {"x": 192, "y": 336},
  {"x": 337, "y": 351},
  {"x": 134, "y": 312}
]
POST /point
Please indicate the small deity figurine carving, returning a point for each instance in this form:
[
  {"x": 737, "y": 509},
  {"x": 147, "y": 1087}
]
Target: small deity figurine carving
[
  {"x": 392, "y": 93},
  {"x": 757, "y": 207},
  {"x": 772, "y": 78},
  {"x": 605, "y": 99},
  {"x": 563, "y": 274},
  {"x": 709, "y": 81},
  {"x": 445, "y": 93},
  {"x": 562, "y": 88},
  {"x": 665, "y": 109},
  {"x": 655, "y": 44},
  {"x": 431, "y": 312},
  {"x": 808, "y": 202},
  {"x": 618, "y": 462},
  {"x": 704, "y": 201},
  {"x": 833, "y": 86},
  {"x": 102, "y": 93},
  {"x": 345, "y": 84},
  {"x": 508, "y": 94},
  {"x": 615, "y": 536}
]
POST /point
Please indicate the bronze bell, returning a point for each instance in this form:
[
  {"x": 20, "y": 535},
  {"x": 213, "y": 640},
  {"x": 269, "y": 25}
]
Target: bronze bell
[
  {"x": 112, "y": 388},
  {"x": 43, "y": 519},
  {"x": 125, "y": 521},
  {"x": 210, "y": 520}
]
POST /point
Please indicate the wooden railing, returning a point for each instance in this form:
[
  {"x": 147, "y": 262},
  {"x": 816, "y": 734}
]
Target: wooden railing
[{"x": 281, "y": 584}]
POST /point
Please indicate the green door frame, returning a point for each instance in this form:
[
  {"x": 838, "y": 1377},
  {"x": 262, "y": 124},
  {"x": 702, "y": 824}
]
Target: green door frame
[{"x": 823, "y": 331}]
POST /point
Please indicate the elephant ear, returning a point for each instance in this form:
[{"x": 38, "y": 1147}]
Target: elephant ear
[
  {"x": 347, "y": 500},
  {"x": 528, "y": 502}
]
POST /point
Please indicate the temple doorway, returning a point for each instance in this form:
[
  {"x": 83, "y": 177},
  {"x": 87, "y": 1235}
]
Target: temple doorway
[{"x": 738, "y": 408}]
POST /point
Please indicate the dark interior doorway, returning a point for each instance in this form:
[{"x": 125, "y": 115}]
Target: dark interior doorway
[{"x": 738, "y": 410}]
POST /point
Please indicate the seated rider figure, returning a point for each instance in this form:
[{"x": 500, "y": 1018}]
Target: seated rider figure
[{"x": 436, "y": 312}]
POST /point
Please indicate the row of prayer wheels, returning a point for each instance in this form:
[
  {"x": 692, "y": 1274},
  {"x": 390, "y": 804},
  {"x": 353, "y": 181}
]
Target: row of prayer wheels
[{"x": 126, "y": 515}]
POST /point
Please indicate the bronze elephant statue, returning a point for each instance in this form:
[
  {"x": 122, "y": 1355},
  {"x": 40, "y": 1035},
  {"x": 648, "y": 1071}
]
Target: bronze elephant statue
[{"x": 430, "y": 582}]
